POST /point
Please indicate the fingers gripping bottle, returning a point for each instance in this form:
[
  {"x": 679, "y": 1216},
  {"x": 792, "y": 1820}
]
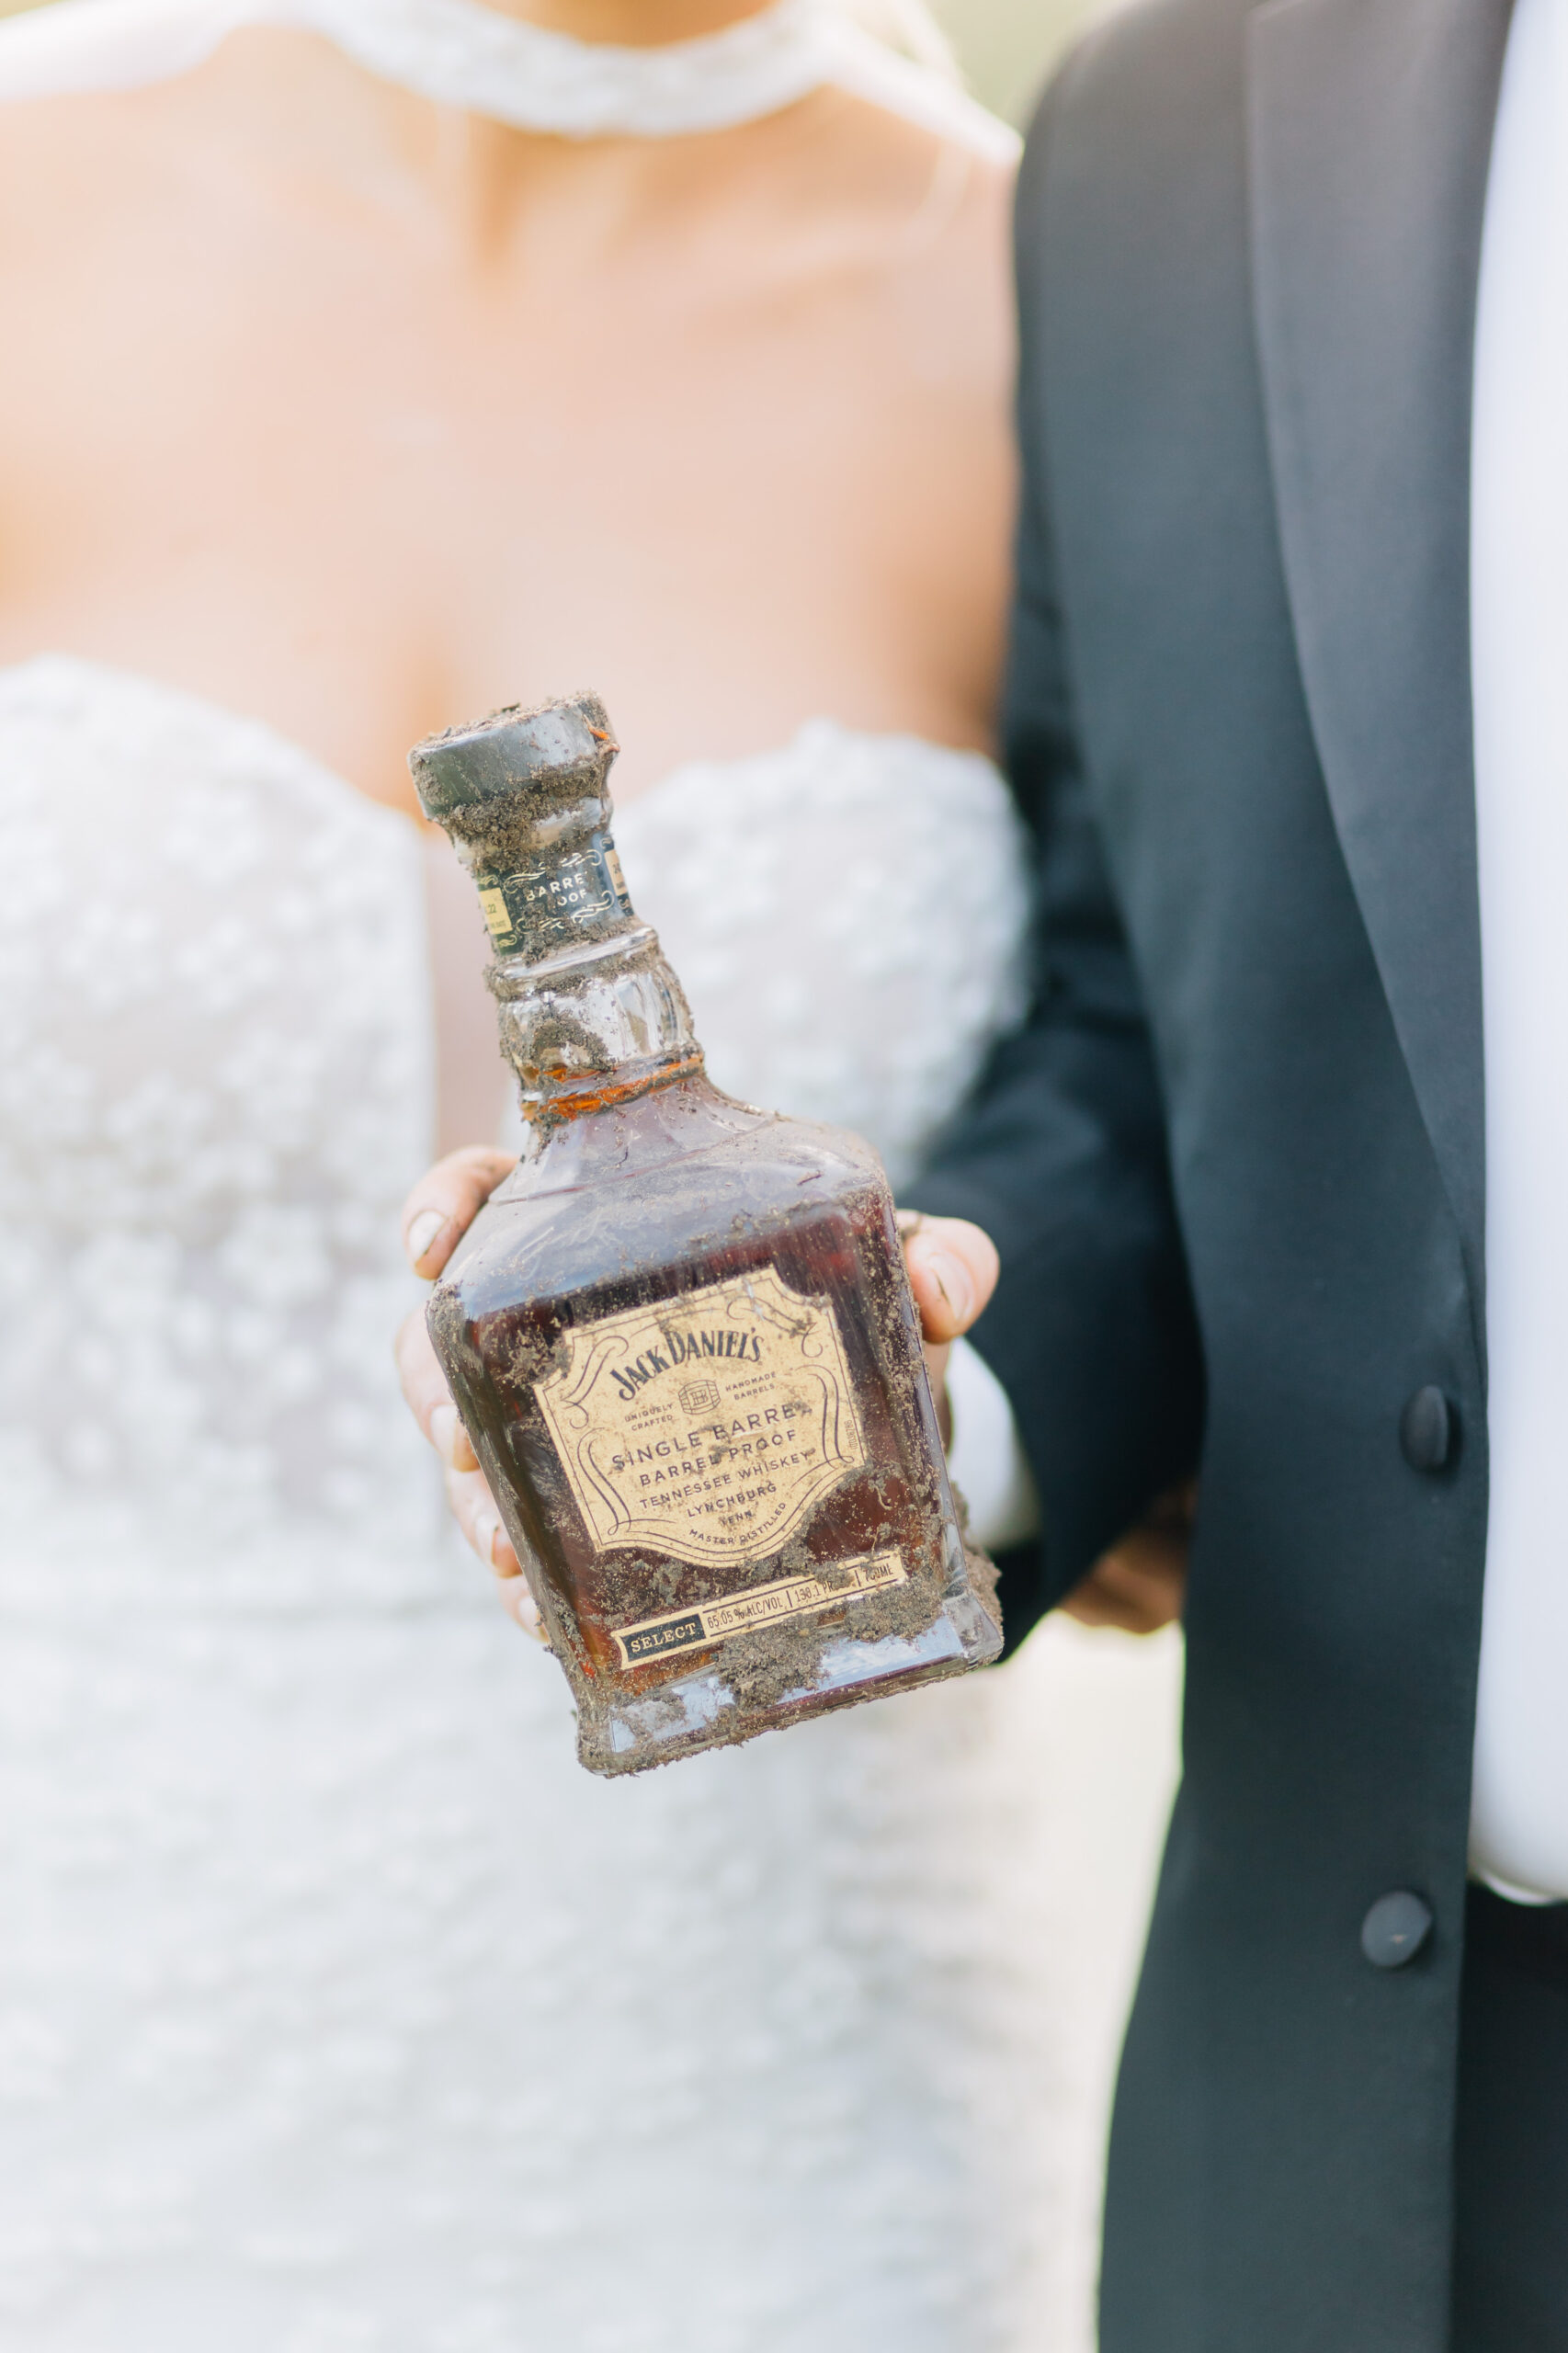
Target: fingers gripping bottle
[{"x": 680, "y": 1334}]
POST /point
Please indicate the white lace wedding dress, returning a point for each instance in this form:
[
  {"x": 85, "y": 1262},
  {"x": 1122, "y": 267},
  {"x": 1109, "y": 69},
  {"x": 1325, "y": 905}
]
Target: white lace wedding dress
[{"x": 340, "y": 2011}]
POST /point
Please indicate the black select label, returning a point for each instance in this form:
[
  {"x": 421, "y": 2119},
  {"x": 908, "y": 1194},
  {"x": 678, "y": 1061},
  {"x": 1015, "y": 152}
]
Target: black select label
[
  {"x": 547, "y": 906},
  {"x": 712, "y": 1622},
  {"x": 709, "y": 1427}
]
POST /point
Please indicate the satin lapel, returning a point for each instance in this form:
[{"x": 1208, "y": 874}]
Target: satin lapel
[{"x": 1371, "y": 128}]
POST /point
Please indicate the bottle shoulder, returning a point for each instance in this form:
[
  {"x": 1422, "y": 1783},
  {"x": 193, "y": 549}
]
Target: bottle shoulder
[
  {"x": 626, "y": 1144},
  {"x": 709, "y": 1175}
]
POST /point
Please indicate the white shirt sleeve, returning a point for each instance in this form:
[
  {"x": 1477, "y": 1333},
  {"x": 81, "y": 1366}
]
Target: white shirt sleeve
[
  {"x": 985, "y": 1458},
  {"x": 1518, "y": 628}
]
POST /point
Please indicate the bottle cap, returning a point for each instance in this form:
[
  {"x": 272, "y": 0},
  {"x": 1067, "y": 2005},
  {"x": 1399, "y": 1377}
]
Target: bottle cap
[
  {"x": 553, "y": 748},
  {"x": 525, "y": 796}
]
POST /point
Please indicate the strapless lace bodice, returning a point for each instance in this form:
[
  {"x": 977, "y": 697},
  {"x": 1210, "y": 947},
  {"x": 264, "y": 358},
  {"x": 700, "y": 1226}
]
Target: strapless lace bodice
[
  {"x": 216, "y": 1086},
  {"x": 340, "y": 2012},
  {"x": 846, "y": 916}
]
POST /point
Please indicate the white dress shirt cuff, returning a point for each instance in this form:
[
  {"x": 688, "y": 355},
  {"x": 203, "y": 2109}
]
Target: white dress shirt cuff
[{"x": 985, "y": 1458}]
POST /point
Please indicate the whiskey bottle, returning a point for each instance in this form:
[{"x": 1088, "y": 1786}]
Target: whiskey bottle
[{"x": 680, "y": 1334}]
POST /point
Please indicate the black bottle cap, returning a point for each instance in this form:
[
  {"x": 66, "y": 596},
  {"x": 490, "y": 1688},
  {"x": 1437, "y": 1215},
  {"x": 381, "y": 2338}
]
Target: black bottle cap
[{"x": 556, "y": 749}]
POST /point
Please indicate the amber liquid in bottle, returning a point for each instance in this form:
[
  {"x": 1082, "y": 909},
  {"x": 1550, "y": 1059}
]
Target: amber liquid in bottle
[{"x": 680, "y": 1334}]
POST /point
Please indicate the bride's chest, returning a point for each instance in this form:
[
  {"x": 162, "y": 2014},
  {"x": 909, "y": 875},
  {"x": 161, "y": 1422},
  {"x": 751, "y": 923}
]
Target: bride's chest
[{"x": 363, "y": 508}]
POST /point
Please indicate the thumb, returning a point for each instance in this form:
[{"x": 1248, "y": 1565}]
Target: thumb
[
  {"x": 952, "y": 1272},
  {"x": 445, "y": 1202}
]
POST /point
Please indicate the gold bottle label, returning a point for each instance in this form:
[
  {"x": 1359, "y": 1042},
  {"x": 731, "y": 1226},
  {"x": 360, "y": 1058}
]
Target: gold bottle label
[
  {"x": 708, "y": 1623},
  {"x": 709, "y": 1427}
]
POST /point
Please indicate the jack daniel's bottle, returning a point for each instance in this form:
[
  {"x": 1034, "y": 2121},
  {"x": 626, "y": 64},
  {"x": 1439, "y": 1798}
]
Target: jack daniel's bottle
[{"x": 680, "y": 1334}]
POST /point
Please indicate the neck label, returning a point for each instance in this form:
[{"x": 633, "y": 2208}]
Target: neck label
[{"x": 551, "y": 903}]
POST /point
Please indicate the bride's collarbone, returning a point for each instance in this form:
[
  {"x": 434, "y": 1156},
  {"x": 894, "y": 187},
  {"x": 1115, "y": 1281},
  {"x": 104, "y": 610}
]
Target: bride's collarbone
[{"x": 122, "y": 246}]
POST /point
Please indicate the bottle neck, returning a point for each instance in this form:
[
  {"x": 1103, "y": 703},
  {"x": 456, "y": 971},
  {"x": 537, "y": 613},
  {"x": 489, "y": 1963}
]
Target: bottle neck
[
  {"x": 591, "y": 1015},
  {"x": 594, "y": 1025}
]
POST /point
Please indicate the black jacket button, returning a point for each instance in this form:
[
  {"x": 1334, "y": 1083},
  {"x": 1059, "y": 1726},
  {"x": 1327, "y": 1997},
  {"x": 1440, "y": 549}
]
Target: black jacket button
[
  {"x": 1428, "y": 1430},
  {"x": 1396, "y": 1929}
]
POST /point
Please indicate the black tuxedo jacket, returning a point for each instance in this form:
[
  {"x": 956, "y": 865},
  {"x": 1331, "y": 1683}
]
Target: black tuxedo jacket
[{"x": 1234, "y": 1166}]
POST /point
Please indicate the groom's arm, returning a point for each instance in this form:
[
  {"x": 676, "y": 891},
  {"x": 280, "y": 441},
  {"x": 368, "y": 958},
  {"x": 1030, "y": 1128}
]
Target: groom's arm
[{"x": 1062, "y": 1158}]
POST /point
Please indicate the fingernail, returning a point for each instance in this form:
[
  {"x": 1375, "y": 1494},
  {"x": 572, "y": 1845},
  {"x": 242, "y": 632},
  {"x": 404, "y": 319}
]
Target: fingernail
[
  {"x": 447, "y": 1435},
  {"x": 423, "y": 1232},
  {"x": 486, "y": 1528},
  {"x": 951, "y": 1279}
]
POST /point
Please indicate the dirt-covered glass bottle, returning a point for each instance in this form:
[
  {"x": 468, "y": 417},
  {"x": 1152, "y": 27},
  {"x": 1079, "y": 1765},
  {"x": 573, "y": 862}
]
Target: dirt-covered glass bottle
[{"x": 679, "y": 1335}]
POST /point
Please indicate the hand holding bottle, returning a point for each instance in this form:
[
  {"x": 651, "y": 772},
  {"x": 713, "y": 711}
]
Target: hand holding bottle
[{"x": 952, "y": 1272}]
